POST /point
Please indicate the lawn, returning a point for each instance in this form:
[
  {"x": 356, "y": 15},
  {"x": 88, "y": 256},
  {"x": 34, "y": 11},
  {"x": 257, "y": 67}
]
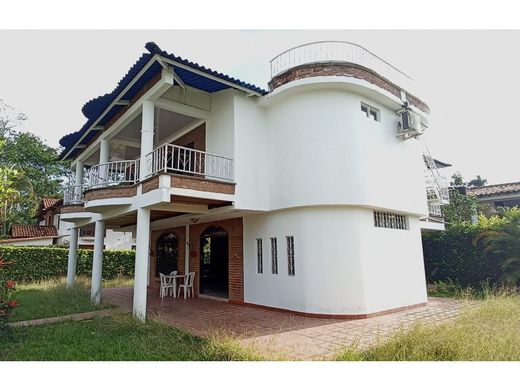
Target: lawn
[
  {"x": 118, "y": 337},
  {"x": 489, "y": 332},
  {"x": 51, "y": 298},
  {"x": 115, "y": 338}
]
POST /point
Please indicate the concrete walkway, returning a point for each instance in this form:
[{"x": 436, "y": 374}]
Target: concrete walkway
[
  {"x": 280, "y": 335},
  {"x": 74, "y": 317}
]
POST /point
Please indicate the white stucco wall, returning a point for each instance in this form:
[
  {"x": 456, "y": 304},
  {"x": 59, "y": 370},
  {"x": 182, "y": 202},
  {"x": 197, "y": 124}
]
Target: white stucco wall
[
  {"x": 35, "y": 242},
  {"x": 344, "y": 265},
  {"x": 324, "y": 150}
]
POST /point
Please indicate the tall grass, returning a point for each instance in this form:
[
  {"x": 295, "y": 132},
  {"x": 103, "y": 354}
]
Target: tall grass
[
  {"x": 488, "y": 332},
  {"x": 118, "y": 337},
  {"x": 51, "y": 298}
]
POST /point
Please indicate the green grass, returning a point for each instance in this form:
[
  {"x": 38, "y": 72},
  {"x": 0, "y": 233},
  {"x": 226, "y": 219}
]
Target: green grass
[
  {"x": 489, "y": 332},
  {"x": 51, "y": 298},
  {"x": 116, "y": 338}
]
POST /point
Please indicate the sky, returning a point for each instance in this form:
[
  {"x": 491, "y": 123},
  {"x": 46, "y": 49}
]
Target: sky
[{"x": 470, "y": 79}]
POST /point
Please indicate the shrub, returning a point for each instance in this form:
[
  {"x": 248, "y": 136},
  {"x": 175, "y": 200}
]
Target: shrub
[
  {"x": 7, "y": 287},
  {"x": 453, "y": 256},
  {"x": 30, "y": 264}
]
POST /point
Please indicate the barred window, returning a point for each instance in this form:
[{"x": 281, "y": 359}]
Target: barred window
[
  {"x": 274, "y": 256},
  {"x": 390, "y": 220},
  {"x": 259, "y": 256},
  {"x": 290, "y": 255}
]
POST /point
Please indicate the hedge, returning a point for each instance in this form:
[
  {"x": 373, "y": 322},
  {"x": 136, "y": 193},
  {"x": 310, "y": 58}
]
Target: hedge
[
  {"x": 451, "y": 255},
  {"x": 49, "y": 262}
]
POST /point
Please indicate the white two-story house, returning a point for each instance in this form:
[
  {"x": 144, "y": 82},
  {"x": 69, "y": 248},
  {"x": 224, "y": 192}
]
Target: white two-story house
[{"x": 307, "y": 197}]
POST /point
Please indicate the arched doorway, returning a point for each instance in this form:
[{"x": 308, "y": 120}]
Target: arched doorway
[
  {"x": 167, "y": 254},
  {"x": 214, "y": 273}
]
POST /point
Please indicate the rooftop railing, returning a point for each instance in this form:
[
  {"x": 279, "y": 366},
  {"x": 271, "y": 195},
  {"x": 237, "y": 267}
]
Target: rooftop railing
[{"x": 340, "y": 51}]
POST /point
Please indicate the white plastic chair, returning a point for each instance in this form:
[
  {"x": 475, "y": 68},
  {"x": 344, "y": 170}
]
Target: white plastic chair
[
  {"x": 167, "y": 285},
  {"x": 187, "y": 286}
]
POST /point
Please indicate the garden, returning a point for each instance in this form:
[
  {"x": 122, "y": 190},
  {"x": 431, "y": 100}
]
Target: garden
[{"x": 479, "y": 262}]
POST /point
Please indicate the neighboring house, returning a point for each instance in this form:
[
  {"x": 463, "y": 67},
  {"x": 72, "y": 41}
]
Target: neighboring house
[
  {"x": 306, "y": 197},
  {"x": 30, "y": 235},
  {"x": 497, "y": 195},
  {"x": 50, "y": 230}
]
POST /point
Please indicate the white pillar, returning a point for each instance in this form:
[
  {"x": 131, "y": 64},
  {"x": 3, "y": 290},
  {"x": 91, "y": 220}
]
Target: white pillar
[
  {"x": 73, "y": 254},
  {"x": 142, "y": 258},
  {"x": 104, "y": 154},
  {"x": 146, "y": 137},
  {"x": 187, "y": 251},
  {"x": 78, "y": 191},
  {"x": 97, "y": 263},
  {"x": 104, "y": 150}
]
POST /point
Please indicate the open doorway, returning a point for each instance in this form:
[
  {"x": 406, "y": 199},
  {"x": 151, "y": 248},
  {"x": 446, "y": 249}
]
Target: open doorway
[{"x": 214, "y": 273}]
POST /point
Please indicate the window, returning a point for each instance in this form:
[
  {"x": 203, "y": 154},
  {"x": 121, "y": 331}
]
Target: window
[
  {"x": 290, "y": 255},
  {"x": 259, "y": 257},
  {"x": 390, "y": 220},
  {"x": 274, "y": 256},
  {"x": 371, "y": 112}
]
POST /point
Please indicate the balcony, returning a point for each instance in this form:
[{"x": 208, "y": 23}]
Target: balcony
[
  {"x": 165, "y": 159},
  {"x": 340, "y": 52}
]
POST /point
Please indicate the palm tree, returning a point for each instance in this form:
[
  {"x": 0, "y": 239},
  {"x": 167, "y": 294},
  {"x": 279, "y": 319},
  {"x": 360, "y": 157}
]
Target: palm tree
[
  {"x": 478, "y": 182},
  {"x": 505, "y": 244}
]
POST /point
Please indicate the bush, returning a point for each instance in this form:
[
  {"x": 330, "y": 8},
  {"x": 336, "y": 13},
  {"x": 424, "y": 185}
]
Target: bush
[
  {"x": 451, "y": 256},
  {"x": 30, "y": 264},
  {"x": 7, "y": 287}
]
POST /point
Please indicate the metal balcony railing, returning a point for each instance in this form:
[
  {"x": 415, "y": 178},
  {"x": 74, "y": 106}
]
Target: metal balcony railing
[
  {"x": 73, "y": 194},
  {"x": 113, "y": 173},
  {"x": 339, "y": 51},
  {"x": 178, "y": 159}
]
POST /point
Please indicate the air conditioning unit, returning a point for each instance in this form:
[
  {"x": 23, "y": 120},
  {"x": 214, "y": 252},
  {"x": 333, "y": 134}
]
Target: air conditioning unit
[{"x": 409, "y": 124}]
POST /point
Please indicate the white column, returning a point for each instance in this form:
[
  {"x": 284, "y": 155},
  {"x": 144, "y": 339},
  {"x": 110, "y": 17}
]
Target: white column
[
  {"x": 73, "y": 254},
  {"x": 78, "y": 191},
  {"x": 146, "y": 137},
  {"x": 97, "y": 263},
  {"x": 187, "y": 251},
  {"x": 104, "y": 154},
  {"x": 104, "y": 150},
  {"x": 142, "y": 258}
]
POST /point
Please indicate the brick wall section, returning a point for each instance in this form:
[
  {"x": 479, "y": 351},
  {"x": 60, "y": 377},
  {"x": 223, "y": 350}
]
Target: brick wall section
[
  {"x": 352, "y": 70},
  {"x": 197, "y": 136},
  {"x": 234, "y": 228},
  {"x": 180, "y": 233},
  {"x": 150, "y": 184},
  {"x": 199, "y": 184},
  {"x": 71, "y": 209},
  {"x": 106, "y": 193}
]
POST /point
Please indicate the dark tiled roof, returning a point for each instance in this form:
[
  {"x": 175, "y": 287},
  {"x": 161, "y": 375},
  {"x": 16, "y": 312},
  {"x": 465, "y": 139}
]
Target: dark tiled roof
[
  {"x": 94, "y": 108},
  {"x": 495, "y": 189},
  {"x": 26, "y": 231},
  {"x": 50, "y": 202}
]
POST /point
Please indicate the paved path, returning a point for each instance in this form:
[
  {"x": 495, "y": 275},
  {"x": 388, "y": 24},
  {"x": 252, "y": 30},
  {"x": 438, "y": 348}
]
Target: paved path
[
  {"x": 281, "y": 335},
  {"x": 73, "y": 317}
]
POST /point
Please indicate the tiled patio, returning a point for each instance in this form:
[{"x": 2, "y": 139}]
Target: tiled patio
[{"x": 280, "y": 334}]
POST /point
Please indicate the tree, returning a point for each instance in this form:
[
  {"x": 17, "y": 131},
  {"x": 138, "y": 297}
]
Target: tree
[
  {"x": 462, "y": 208},
  {"x": 505, "y": 244},
  {"x": 457, "y": 179},
  {"x": 30, "y": 170},
  {"x": 477, "y": 182}
]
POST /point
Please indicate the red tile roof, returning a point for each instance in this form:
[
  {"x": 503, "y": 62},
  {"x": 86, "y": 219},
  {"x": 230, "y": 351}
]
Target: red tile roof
[
  {"x": 25, "y": 231},
  {"x": 495, "y": 189},
  {"x": 50, "y": 202}
]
